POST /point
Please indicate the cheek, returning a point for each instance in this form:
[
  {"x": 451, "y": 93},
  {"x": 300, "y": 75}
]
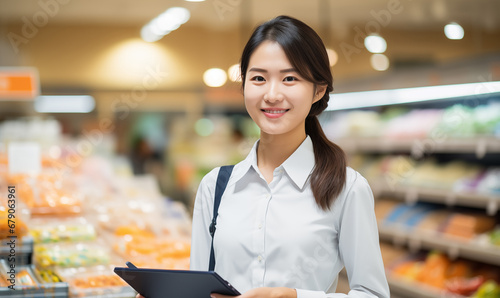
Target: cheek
[{"x": 251, "y": 96}]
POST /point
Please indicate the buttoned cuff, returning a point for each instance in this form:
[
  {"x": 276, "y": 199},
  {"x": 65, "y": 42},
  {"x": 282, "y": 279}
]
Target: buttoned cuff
[{"x": 310, "y": 294}]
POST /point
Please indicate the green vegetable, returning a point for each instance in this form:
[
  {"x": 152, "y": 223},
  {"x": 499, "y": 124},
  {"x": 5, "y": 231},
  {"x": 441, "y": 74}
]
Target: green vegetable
[{"x": 489, "y": 289}]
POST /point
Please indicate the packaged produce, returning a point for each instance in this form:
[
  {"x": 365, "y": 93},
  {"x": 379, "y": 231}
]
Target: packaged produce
[
  {"x": 433, "y": 222},
  {"x": 17, "y": 215},
  {"x": 468, "y": 226},
  {"x": 46, "y": 193},
  {"x": 24, "y": 278},
  {"x": 147, "y": 250},
  {"x": 70, "y": 254},
  {"x": 47, "y": 230},
  {"x": 48, "y": 276},
  {"x": 95, "y": 281}
]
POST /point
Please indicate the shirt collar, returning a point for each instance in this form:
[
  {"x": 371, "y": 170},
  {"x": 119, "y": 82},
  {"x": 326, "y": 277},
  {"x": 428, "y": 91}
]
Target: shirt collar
[{"x": 298, "y": 166}]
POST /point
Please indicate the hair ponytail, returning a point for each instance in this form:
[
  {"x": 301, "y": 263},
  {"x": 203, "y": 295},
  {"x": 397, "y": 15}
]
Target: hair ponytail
[
  {"x": 329, "y": 174},
  {"x": 307, "y": 53}
]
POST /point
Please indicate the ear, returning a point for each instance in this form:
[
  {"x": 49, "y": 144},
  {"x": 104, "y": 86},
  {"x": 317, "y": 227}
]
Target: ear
[{"x": 319, "y": 92}]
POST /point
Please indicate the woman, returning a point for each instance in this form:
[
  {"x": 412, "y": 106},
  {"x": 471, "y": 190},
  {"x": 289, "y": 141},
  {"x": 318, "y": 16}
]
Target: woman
[{"x": 292, "y": 215}]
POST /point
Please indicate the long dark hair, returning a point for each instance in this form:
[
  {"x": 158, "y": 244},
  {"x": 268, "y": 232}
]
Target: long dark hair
[{"x": 307, "y": 54}]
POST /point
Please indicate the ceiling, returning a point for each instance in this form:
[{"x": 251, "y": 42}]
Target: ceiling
[{"x": 337, "y": 15}]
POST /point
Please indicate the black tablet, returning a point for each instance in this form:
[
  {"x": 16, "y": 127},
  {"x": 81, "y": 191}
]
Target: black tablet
[{"x": 152, "y": 283}]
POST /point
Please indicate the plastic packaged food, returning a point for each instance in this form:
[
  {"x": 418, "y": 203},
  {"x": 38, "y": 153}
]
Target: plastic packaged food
[
  {"x": 96, "y": 281},
  {"x": 48, "y": 276},
  {"x": 468, "y": 225},
  {"x": 146, "y": 249},
  {"x": 17, "y": 221},
  {"x": 45, "y": 194},
  {"x": 70, "y": 254},
  {"x": 61, "y": 229}
]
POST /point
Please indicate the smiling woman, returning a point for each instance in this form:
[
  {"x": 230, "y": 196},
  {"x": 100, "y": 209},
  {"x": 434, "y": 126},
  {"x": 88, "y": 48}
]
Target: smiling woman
[{"x": 293, "y": 193}]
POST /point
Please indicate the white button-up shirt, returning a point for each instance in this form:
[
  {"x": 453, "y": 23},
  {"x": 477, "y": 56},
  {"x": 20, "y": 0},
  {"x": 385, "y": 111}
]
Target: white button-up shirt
[{"x": 275, "y": 235}]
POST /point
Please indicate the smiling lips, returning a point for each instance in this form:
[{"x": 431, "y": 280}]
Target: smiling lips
[{"x": 274, "y": 113}]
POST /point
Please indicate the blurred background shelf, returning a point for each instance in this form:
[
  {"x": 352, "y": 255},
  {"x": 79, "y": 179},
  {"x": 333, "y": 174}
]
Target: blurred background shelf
[
  {"x": 480, "y": 146},
  {"x": 403, "y": 288},
  {"x": 489, "y": 202},
  {"x": 454, "y": 247}
]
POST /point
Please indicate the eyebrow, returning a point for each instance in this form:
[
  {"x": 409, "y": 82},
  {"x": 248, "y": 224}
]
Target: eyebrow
[{"x": 281, "y": 71}]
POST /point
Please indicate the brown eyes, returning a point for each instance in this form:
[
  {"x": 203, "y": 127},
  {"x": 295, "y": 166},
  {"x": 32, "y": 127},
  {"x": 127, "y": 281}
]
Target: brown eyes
[{"x": 261, "y": 79}]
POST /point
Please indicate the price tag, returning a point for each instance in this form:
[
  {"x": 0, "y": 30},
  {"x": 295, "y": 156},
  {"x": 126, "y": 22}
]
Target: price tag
[{"x": 24, "y": 158}]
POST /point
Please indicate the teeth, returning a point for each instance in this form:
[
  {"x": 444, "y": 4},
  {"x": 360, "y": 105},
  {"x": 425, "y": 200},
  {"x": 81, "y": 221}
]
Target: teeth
[{"x": 275, "y": 111}]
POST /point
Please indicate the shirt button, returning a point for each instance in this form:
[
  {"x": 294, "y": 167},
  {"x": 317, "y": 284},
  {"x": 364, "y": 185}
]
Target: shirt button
[
  {"x": 259, "y": 258},
  {"x": 260, "y": 226}
]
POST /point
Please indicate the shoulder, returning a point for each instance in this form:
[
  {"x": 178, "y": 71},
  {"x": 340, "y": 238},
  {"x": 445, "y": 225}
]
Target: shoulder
[
  {"x": 356, "y": 188},
  {"x": 354, "y": 179},
  {"x": 208, "y": 181}
]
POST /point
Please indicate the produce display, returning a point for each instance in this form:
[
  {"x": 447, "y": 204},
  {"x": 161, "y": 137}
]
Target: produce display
[
  {"x": 436, "y": 220},
  {"x": 87, "y": 221},
  {"x": 70, "y": 255},
  {"x": 95, "y": 281},
  {"x": 49, "y": 230},
  {"x": 45, "y": 194},
  {"x": 440, "y": 273},
  {"x": 403, "y": 171}
]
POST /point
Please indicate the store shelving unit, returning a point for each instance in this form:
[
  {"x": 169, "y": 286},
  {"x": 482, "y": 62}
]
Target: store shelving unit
[
  {"x": 410, "y": 194},
  {"x": 480, "y": 146},
  {"x": 407, "y": 289},
  {"x": 454, "y": 247},
  {"x": 453, "y": 147}
]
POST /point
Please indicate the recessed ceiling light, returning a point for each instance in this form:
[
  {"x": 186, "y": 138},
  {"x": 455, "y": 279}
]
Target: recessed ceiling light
[
  {"x": 454, "y": 31},
  {"x": 375, "y": 44},
  {"x": 215, "y": 77}
]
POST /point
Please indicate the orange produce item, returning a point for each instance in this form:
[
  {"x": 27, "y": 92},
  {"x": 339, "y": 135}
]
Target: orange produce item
[
  {"x": 20, "y": 227},
  {"x": 434, "y": 270}
]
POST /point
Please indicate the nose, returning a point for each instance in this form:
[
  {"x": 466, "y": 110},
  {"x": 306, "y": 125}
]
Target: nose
[{"x": 273, "y": 93}]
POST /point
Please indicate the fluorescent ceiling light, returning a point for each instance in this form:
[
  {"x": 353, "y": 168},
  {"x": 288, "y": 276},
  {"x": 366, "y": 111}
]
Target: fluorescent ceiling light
[
  {"x": 64, "y": 104},
  {"x": 363, "y": 99},
  {"x": 165, "y": 23}
]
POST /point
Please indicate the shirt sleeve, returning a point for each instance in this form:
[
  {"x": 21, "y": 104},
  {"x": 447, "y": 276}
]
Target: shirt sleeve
[
  {"x": 202, "y": 217},
  {"x": 359, "y": 246}
]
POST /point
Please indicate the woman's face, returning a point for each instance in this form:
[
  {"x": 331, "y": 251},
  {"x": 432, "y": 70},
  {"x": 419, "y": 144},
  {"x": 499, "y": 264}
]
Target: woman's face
[{"x": 277, "y": 98}]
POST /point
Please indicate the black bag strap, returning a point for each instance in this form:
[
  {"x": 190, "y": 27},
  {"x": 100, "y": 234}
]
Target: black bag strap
[{"x": 220, "y": 187}]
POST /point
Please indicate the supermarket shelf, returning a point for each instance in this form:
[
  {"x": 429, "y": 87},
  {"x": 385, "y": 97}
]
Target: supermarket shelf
[
  {"x": 402, "y": 288},
  {"x": 405, "y": 288},
  {"x": 419, "y": 147},
  {"x": 454, "y": 247},
  {"x": 411, "y": 195}
]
